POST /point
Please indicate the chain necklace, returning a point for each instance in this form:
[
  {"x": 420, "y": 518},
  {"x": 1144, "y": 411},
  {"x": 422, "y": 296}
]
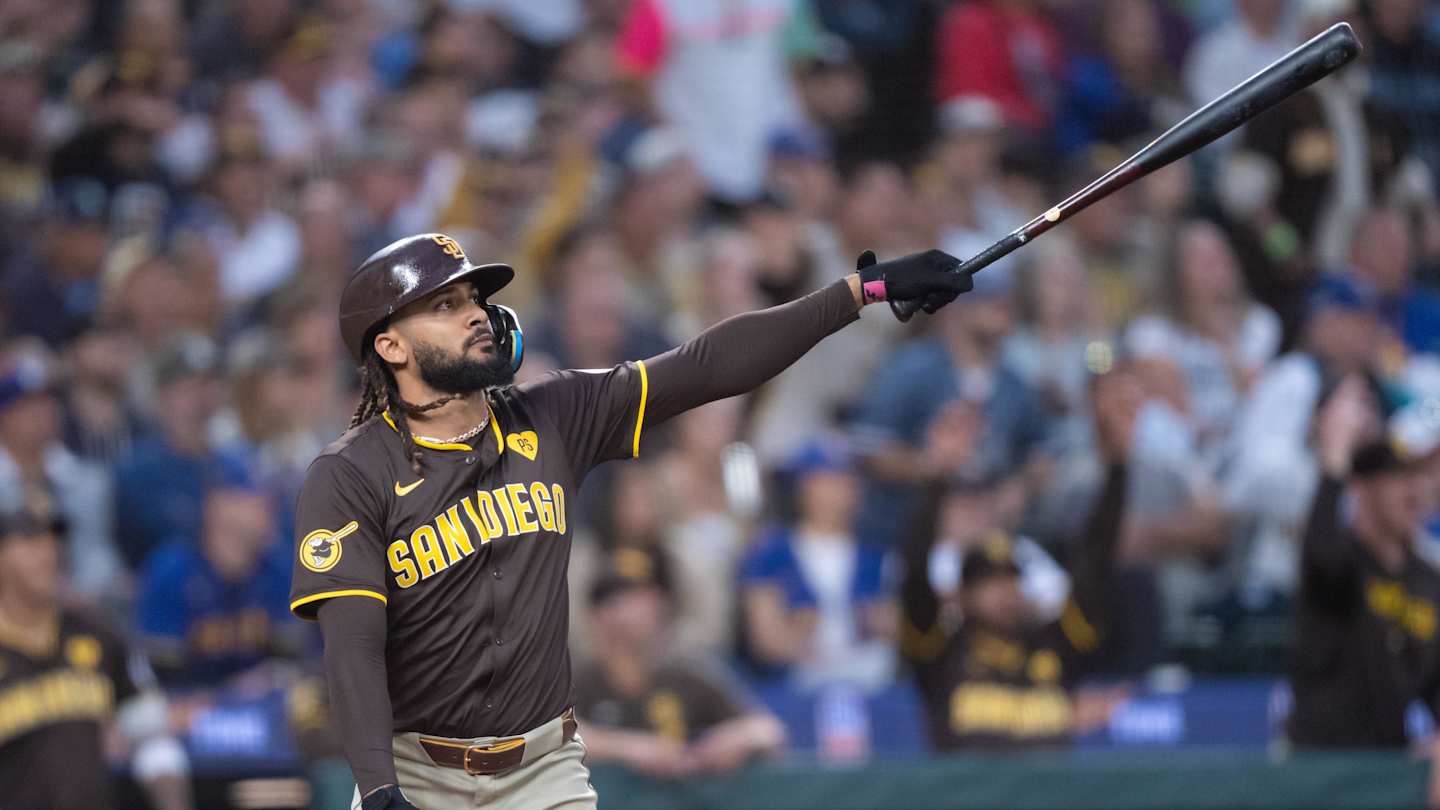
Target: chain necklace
[{"x": 469, "y": 434}]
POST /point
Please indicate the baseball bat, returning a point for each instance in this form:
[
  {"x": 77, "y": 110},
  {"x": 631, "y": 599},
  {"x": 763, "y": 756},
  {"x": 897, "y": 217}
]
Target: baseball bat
[{"x": 1322, "y": 55}]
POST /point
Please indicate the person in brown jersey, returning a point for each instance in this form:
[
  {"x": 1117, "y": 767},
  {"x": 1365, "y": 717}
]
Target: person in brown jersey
[
  {"x": 990, "y": 676},
  {"x": 67, "y": 680},
  {"x": 1366, "y": 641},
  {"x": 432, "y": 536}
]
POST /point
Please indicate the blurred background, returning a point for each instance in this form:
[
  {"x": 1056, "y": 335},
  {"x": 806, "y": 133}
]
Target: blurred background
[{"x": 186, "y": 184}]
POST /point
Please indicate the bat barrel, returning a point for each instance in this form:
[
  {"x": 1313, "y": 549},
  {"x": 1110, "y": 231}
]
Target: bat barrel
[{"x": 1322, "y": 55}]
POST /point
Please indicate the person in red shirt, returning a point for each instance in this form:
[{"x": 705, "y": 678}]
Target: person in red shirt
[{"x": 1003, "y": 50}]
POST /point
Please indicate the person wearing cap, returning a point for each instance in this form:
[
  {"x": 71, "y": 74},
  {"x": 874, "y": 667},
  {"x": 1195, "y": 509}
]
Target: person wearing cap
[
  {"x": 214, "y": 607},
  {"x": 160, "y": 483},
  {"x": 815, "y": 607},
  {"x": 660, "y": 711},
  {"x": 67, "y": 679},
  {"x": 52, "y": 289},
  {"x": 991, "y": 672},
  {"x": 432, "y": 537},
  {"x": 1366, "y": 637}
]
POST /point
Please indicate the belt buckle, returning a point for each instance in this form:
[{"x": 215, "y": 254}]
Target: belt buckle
[{"x": 481, "y": 750}]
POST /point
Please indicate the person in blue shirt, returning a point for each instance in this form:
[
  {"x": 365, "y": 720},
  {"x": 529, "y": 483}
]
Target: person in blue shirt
[
  {"x": 958, "y": 362},
  {"x": 1382, "y": 253},
  {"x": 160, "y": 483},
  {"x": 813, "y": 595},
  {"x": 215, "y": 606}
]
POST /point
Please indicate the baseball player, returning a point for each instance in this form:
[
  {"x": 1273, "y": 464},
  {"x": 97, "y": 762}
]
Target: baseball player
[
  {"x": 67, "y": 681},
  {"x": 433, "y": 535}
]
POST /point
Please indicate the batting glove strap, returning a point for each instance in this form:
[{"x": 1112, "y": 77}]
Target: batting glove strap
[
  {"x": 387, "y": 798},
  {"x": 931, "y": 276}
]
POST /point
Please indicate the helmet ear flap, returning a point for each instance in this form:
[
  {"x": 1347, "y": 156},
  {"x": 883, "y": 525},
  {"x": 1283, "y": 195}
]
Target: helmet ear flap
[{"x": 509, "y": 337}]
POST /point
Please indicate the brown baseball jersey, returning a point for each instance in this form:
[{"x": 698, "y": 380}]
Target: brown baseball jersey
[
  {"x": 469, "y": 557},
  {"x": 54, "y": 704}
]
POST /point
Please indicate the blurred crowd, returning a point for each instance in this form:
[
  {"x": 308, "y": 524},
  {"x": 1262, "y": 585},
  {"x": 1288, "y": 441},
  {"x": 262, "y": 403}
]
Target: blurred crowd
[{"x": 186, "y": 184}]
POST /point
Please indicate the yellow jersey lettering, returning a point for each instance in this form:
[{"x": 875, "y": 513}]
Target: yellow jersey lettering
[
  {"x": 401, "y": 564},
  {"x": 480, "y": 529},
  {"x": 667, "y": 716},
  {"x": 489, "y": 517},
  {"x": 453, "y": 534},
  {"x": 426, "y": 547},
  {"x": 523, "y": 521},
  {"x": 544, "y": 511},
  {"x": 504, "y": 501},
  {"x": 1011, "y": 711},
  {"x": 559, "y": 498}
]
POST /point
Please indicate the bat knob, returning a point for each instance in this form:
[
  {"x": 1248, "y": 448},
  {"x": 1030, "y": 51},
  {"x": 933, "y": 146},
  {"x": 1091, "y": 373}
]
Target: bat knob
[{"x": 905, "y": 310}]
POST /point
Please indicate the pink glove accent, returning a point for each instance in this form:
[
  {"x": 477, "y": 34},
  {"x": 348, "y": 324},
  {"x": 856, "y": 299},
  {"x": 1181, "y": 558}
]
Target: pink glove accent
[{"x": 873, "y": 291}]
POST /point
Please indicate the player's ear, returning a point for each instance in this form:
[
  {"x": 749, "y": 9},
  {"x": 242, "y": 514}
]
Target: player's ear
[{"x": 392, "y": 347}]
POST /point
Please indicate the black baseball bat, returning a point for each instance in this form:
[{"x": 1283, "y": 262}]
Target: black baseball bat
[{"x": 1322, "y": 55}]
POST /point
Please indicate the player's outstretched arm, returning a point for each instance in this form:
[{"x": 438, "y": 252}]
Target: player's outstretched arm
[
  {"x": 741, "y": 353},
  {"x": 354, "y": 631}
]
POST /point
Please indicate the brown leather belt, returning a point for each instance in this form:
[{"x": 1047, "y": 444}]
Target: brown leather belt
[{"x": 492, "y": 758}]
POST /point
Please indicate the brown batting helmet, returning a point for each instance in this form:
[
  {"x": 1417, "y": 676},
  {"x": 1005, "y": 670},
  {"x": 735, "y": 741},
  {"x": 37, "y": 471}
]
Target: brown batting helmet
[{"x": 403, "y": 272}]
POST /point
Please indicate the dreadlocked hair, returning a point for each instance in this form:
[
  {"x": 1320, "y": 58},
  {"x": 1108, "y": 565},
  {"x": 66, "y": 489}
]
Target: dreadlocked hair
[{"x": 379, "y": 393}]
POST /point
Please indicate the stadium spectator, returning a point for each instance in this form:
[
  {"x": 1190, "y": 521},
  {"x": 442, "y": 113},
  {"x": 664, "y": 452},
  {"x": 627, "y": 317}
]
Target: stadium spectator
[
  {"x": 591, "y": 323},
  {"x": 1382, "y": 254},
  {"x": 256, "y": 245},
  {"x": 1216, "y": 337},
  {"x": 159, "y": 484},
  {"x": 1123, "y": 90},
  {"x": 812, "y": 593},
  {"x": 717, "y": 71},
  {"x": 1405, "y": 69},
  {"x": 709, "y": 485},
  {"x": 660, "y": 711},
  {"x": 213, "y": 607},
  {"x": 1006, "y": 51},
  {"x": 1271, "y": 475},
  {"x": 991, "y": 674},
  {"x": 959, "y": 361},
  {"x": 1260, "y": 32},
  {"x": 52, "y": 284},
  {"x": 1057, "y": 327},
  {"x": 100, "y": 423},
  {"x": 35, "y": 464},
  {"x": 68, "y": 682},
  {"x": 802, "y": 169}
]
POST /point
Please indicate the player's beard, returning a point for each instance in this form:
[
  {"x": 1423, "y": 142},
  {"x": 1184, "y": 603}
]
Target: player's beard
[{"x": 460, "y": 373}]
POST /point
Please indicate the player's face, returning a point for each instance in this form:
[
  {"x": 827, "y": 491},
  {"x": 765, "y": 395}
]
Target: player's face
[
  {"x": 30, "y": 565},
  {"x": 996, "y": 602},
  {"x": 449, "y": 338},
  {"x": 1396, "y": 500},
  {"x": 633, "y": 619}
]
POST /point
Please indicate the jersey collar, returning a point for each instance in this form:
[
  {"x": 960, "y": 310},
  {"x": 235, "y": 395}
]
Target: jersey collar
[{"x": 494, "y": 429}]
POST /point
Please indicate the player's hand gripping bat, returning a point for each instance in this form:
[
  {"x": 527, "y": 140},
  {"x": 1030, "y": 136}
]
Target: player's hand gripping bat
[{"x": 1302, "y": 67}]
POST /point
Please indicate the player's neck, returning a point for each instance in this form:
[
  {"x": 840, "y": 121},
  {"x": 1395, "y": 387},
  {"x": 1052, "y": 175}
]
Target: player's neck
[
  {"x": 27, "y": 625},
  {"x": 451, "y": 419}
]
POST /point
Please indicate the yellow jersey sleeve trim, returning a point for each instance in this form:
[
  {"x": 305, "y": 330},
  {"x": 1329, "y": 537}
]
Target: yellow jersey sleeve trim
[
  {"x": 317, "y": 597},
  {"x": 495, "y": 428},
  {"x": 425, "y": 443},
  {"x": 640, "y": 416}
]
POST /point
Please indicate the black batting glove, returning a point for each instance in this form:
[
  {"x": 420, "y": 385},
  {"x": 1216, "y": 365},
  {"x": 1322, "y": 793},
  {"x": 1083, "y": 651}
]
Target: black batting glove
[
  {"x": 386, "y": 798},
  {"x": 930, "y": 277}
]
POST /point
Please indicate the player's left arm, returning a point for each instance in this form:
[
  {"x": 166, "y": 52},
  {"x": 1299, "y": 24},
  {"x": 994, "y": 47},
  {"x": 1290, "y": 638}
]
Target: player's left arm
[
  {"x": 1085, "y": 620},
  {"x": 741, "y": 353},
  {"x": 600, "y": 415}
]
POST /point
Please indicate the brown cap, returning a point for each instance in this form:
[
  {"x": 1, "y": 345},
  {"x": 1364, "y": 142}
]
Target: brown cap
[{"x": 403, "y": 272}]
